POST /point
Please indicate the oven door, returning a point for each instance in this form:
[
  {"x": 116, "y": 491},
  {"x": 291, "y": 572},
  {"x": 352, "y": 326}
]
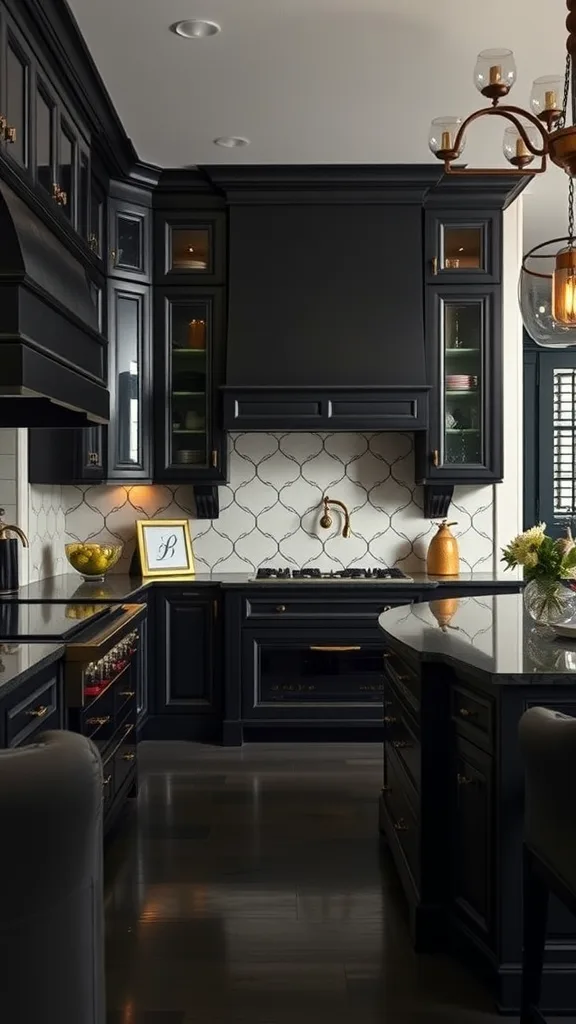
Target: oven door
[{"x": 311, "y": 674}]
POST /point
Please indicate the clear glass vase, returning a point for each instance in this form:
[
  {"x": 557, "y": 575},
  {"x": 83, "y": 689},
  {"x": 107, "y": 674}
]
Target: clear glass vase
[{"x": 550, "y": 602}]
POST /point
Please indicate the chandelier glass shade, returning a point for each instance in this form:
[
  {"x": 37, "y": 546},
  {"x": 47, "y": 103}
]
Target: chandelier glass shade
[{"x": 531, "y": 138}]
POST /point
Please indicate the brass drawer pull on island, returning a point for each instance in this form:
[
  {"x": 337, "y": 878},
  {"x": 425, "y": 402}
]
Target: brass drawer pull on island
[
  {"x": 280, "y": 607},
  {"x": 100, "y": 720},
  {"x": 38, "y": 712},
  {"x": 331, "y": 648},
  {"x": 401, "y": 826},
  {"x": 466, "y": 713},
  {"x": 129, "y": 757}
]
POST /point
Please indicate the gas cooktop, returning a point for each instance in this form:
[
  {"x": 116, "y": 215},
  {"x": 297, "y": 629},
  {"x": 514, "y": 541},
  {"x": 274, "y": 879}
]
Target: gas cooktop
[{"x": 383, "y": 575}]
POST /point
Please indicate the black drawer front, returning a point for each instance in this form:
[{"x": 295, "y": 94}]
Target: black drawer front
[
  {"x": 473, "y": 715},
  {"x": 405, "y": 681},
  {"x": 281, "y": 607},
  {"x": 98, "y": 719},
  {"x": 108, "y": 784},
  {"x": 34, "y": 713},
  {"x": 402, "y": 817},
  {"x": 125, "y": 756},
  {"x": 337, "y": 672},
  {"x": 402, "y": 737}
]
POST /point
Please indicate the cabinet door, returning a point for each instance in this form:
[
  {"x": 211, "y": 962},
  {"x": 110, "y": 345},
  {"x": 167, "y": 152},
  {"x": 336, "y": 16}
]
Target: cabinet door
[
  {"x": 188, "y": 372},
  {"x": 129, "y": 381},
  {"x": 66, "y": 168},
  {"x": 189, "y": 249},
  {"x": 45, "y": 121},
  {"x": 129, "y": 240},
  {"x": 464, "y": 349},
  {"x": 463, "y": 246},
  {"x": 15, "y": 110},
  {"x": 91, "y": 453},
  {"x": 84, "y": 184},
  {"x": 472, "y": 868},
  {"x": 96, "y": 237},
  {"x": 187, "y": 675}
]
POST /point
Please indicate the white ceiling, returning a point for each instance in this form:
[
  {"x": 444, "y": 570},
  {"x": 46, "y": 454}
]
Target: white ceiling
[{"x": 320, "y": 81}]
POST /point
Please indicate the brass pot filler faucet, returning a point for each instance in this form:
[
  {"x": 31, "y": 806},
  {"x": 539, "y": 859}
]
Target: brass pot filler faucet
[{"x": 326, "y": 519}]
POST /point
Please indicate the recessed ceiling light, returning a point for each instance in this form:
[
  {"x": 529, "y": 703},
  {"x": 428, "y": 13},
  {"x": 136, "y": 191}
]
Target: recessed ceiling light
[
  {"x": 231, "y": 141},
  {"x": 196, "y": 28}
]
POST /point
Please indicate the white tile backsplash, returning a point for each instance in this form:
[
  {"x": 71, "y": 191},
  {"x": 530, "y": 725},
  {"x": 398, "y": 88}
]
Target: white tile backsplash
[{"x": 270, "y": 510}]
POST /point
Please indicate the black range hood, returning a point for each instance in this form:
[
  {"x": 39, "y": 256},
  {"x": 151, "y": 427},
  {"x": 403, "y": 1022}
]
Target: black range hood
[
  {"x": 326, "y": 320},
  {"x": 52, "y": 357}
]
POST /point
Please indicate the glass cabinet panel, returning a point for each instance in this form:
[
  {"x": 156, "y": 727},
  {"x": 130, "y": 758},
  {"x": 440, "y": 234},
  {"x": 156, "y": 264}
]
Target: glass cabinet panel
[
  {"x": 189, "y": 330},
  {"x": 45, "y": 141},
  {"x": 128, "y": 382},
  {"x": 189, "y": 249},
  {"x": 129, "y": 250},
  {"x": 463, "y": 361},
  {"x": 16, "y": 112},
  {"x": 462, "y": 247},
  {"x": 66, "y": 154}
]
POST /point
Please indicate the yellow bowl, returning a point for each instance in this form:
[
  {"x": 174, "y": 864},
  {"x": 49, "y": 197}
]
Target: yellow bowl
[{"x": 92, "y": 560}]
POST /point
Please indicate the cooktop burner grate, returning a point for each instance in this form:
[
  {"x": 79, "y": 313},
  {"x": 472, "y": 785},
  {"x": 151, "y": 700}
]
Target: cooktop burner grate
[{"x": 382, "y": 575}]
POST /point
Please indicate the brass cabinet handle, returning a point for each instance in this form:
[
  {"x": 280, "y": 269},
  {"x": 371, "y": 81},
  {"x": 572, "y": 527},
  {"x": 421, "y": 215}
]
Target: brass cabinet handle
[
  {"x": 127, "y": 693},
  {"x": 129, "y": 756},
  {"x": 93, "y": 458},
  {"x": 10, "y": 134},
  {"x": 107, "y": 780},
  {"x": 389, "y": 719},
  {"x": 38, "y": 712},
  {"x": 93, "y": 241},
  {"x": 333, "y": 648},
  {"x": 435, "y": 457},
  {"x": 214, "y": 458},
  {"x": 59, "y": 194},
  {"x": 114, "y": 256},
  {"x": 466, "y": 713},
  {"x": 400, "y": 744},
  {"x": 63, "y": 198},
  {"x": 280, "y": 607},
  {"x": 99, "y": 720},
  {"x": 434, "y": 264},
  {"x": 462, "y": 780},
  {"x": 401, "y": 826}
]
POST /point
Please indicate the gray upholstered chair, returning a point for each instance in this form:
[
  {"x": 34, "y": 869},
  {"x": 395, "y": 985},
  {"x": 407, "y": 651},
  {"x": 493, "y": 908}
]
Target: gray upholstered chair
[
  {"x": 51, "y": 904},
  {"x": 548, "y": 744}
]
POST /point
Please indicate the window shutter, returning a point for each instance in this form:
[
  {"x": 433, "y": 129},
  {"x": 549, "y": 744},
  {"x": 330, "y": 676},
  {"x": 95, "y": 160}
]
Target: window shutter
[{"x": 564, "y": 443}]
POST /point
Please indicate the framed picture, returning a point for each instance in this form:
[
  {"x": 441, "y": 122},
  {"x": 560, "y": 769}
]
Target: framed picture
[{"x": 165, "y": 547}]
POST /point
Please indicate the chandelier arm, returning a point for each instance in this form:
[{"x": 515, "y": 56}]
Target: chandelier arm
[
  {"x": 509, "y": 114},
  {"x": 573, "y": 87}
]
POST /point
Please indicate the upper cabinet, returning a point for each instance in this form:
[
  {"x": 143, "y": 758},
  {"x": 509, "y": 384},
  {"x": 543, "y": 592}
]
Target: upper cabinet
[
  {"x": 15, "y": 93},
  {"x": 463, "y": 245},
  {"x": 189, "y": 249},
  {"x": 129, "y": 225}
]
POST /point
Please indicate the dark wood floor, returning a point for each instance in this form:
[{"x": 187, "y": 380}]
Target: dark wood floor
[{"x": 251, "y": 887}]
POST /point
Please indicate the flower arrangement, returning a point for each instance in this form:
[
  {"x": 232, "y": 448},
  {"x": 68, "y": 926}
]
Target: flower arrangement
[{"x": 550, "y": 567}]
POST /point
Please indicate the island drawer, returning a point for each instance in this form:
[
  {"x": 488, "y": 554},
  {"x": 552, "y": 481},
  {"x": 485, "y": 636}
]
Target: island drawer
[
  {"x": 402, "y": 820},
  {"x": 35, "y": 712},
  {"x": 401, "y": 736},
  {"x": 473, "y": 715},
  {"x": 318, "y": 606},
  {"x": 405, "y": 680}
]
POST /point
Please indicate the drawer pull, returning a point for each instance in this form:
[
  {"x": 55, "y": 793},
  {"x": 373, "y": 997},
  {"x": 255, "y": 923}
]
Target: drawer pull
[
  {"x": 400, "y": 744},
  {"x": 128, "y": 694},
  {"x": 400, "y": 826},
  {"x": 107, "y": 780},
  {"x": 128, "y": 729},
  {"x": 466, "y": 713},
  {"x": 334, "y": 648},
  {"x": 129, "y": 757},
  {"x": 38, "y": 712},
  {"x": 403, "y": 679},
  {"x": 462, "y": 780},
  {"x": 389, "y": 720},
  {"x": 101, "y": 720},
  {"x": 280, "y": 607}
]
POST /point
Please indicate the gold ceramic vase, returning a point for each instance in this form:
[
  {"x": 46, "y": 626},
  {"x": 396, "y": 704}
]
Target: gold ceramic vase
[{"x": 443, "y": 558}]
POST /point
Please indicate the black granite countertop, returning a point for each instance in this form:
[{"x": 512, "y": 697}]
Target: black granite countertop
[
  {"x": 117, "y": 587},
  {"x": 20, "y": 661},
  {"x": 492, "y": 634}
]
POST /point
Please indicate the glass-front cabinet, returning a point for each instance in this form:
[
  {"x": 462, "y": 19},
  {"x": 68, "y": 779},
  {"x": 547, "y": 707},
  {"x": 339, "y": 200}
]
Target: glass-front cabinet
[
  {"x": 15, "y": 104},
  {"x": 128, "y": 240},
  {"x": 463, "y": 338},
  {"x": 188, "y": 368},
  {"x": 189, "y": 249},
  {"x": 129, "y": 381},
  {"x": 463, "y": 245}
]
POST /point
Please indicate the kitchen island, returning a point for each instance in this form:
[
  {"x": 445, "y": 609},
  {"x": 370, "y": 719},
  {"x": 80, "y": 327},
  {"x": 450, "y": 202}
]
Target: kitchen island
[{"x": 459, "y": 673}]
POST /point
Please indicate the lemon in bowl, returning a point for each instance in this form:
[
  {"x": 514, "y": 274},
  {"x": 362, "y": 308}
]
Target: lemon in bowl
[{"x": 92, "y": 560}]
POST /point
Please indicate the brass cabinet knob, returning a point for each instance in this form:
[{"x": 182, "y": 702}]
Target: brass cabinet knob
[
  {"x": 129, "y": 756},
  {"x": 280, "y": 607},
  {"x": 93, "y": 458},
  {"x": 38, "y": 712},
  {"x": 10, "y": 134},
  {"x": 389, "y": 720},
  {"x": 466, "y": 713},
  {"x": 63, "y": 198},
  {"x": 400, "y": 825},
  {"x": 93, "y": 242},
  {"x": 99, "y": 720}
]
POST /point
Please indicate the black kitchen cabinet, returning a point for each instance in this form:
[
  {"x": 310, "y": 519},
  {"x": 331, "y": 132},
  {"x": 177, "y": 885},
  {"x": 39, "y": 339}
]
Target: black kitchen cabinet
[
  {"x": 185, "y": 688},
  {"x": 188, "y": 370},
  {"x": 15, "y": 93},
  {"x": 129, "y": 381},
  {"x": 189, "y": 247},
  {"x": 66, "y": 456},
  {"x": 61, "y": 154},
  {"x": 463, "y": 246},
  {"x": 464, "y": 441},
  {"x": 472, "y": 874},
  {"x": 33, "y": 707},
  {"x": 129, "y": 239}
]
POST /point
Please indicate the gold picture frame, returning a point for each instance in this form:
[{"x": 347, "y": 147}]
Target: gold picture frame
[{"x": 165, "y": 547}]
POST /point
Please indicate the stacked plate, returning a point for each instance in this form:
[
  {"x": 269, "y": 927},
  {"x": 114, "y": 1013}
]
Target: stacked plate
[
  {"x": 461, "y": 382},
  {"x": 187, "y": 457}
]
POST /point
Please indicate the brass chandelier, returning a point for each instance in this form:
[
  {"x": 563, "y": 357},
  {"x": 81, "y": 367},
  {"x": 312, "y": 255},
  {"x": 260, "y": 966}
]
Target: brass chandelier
[{"x": 547, "y": 300}]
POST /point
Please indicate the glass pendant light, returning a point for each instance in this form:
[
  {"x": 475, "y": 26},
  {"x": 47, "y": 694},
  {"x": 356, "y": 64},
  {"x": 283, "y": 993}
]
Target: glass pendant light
[{"x": 548, "y": 300}]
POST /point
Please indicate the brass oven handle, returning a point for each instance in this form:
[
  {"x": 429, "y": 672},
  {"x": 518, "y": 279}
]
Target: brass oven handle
[
  {"x": 333, "y": 648},
  {"x": 466, "y": 713},
  {"x": 38, "y": 712},
  {"x": 401, "y": 826},
  {"x": 99, "y": 720}
]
